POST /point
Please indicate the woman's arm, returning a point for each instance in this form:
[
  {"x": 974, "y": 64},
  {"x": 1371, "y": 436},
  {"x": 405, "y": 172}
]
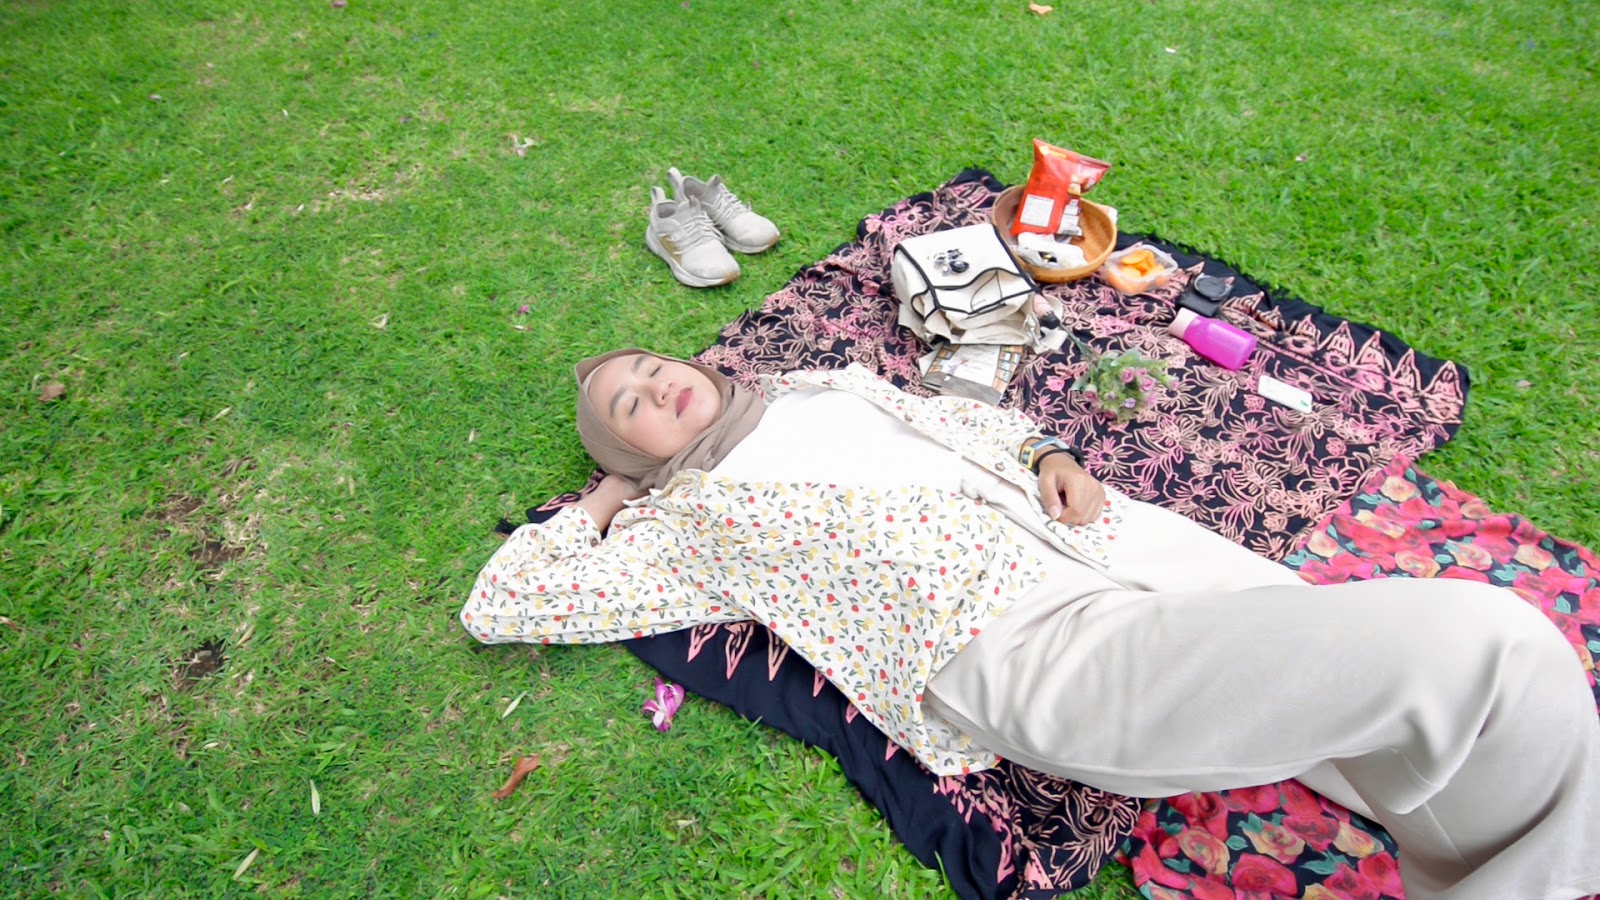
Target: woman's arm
[
  {"x": 1071, "y": 495},
  {"x": 560, "y": 582},
  {"x": 607, "y": 499}
]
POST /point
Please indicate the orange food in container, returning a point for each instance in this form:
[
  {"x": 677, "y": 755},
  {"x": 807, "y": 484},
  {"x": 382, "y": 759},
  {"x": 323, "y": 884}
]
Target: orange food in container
[{"x": 1138, "y": 268}]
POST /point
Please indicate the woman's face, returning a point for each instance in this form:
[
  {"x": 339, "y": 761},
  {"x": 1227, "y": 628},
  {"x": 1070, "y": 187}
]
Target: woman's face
[{"x": 657, "y": 405}]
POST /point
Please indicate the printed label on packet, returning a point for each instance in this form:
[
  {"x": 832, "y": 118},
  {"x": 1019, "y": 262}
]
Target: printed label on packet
[
  {"x": 1036, "y": 210},
  {"x": 1287, "y": 394}
]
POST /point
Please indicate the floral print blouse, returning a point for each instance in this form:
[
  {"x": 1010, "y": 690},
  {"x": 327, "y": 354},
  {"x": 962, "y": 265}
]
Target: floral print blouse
[{"x": 877, "y": 589}]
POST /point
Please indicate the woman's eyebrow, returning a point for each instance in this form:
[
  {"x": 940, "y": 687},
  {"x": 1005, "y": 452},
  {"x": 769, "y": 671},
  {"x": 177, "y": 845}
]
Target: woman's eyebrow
[{"x": 637, "y": 362}]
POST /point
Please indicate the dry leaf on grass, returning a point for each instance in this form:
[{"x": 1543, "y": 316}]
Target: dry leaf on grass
[
  {"x": 51, "y": 391},
  {"x": 381, "y": 322},
  {"x": 1040, "y": 10},
  {"x": 524, "y": 766},
  {"x": 239, "y": 872},
  {"x": 512, "y": 707}
]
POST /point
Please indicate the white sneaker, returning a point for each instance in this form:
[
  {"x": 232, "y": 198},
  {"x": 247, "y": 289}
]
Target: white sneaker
[
  {"x": 681, "y": 233},
  {"x": 741, "y": 229}
]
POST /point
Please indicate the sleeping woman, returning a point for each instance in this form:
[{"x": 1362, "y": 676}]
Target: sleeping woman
[{"x": 978, "y": 594}]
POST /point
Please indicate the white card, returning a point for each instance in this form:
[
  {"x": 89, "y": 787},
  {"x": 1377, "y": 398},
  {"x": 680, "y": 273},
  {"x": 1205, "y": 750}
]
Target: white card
[{"x": 1287, "y": 394}]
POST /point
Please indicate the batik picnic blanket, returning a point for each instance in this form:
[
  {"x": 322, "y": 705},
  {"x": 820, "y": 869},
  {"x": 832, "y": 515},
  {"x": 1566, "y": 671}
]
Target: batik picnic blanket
[{"x": 1214, "y": 450}]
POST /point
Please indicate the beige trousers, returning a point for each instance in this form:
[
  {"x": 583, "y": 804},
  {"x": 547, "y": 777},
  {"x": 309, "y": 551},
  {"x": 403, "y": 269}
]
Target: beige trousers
[{"x": 1452, "y": 712}]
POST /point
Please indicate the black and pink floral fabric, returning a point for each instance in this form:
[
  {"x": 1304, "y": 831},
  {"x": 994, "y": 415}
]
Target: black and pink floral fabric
[{"x": 1278, "y": 481}]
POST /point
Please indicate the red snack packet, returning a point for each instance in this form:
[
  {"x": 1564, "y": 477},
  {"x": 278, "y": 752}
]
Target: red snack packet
[{"x": 1050, "y": 186}]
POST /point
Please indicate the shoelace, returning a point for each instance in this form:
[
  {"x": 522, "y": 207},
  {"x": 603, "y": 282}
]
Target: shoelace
[
  {"x": 727, "y": 205},
  {"x": 697, "y": 226}
]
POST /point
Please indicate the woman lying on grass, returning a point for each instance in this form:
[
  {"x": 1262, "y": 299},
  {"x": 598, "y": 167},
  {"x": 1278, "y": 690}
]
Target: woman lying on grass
[{"x": 973, "y": 605}]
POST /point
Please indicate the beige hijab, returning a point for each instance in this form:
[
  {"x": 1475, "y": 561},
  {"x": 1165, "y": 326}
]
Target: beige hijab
[{"x": 741, "y": 410}]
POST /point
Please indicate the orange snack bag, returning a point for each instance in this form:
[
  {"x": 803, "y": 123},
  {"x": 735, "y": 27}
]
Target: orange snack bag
[{"x": 1058, "y": 176}]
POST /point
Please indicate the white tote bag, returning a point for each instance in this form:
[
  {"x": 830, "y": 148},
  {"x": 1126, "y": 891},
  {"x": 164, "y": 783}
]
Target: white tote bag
[{"x": 964, "y": 286}]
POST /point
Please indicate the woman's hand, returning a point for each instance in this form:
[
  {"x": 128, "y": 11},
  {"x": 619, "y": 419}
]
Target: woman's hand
[
  {"x": 1071, "y": 495},
  {"x": 607, "y": 498}
]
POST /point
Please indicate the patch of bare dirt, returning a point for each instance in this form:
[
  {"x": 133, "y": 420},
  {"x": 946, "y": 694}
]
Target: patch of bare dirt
[
  {"x": 200, "y": 662},
  {"x": 214, "y": 554}
]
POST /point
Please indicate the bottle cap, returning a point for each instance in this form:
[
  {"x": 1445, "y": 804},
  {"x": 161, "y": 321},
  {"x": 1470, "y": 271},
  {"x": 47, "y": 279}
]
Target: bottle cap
[{"x": 1181, "y": 323}]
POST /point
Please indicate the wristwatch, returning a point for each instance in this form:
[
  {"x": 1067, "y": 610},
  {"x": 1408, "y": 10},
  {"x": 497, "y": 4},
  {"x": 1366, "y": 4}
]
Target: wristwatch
[
  {"x": 1034, "y": 453},
  {"x": 1204, "y": 295}
]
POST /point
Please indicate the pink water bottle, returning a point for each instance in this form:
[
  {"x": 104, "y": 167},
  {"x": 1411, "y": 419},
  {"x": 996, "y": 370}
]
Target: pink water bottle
[{"x": 1214, "y": 339}]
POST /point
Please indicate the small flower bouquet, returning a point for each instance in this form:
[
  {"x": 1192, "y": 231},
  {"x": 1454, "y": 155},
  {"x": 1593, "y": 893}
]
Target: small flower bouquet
[{"x": 1121, "y": 385}]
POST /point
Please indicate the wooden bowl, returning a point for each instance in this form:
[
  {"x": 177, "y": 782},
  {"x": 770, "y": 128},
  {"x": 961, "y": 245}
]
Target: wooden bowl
[{"x": 1098, "y": 240}]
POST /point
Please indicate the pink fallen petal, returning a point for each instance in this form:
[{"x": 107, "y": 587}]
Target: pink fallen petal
[{"x": 669, "y": 697}]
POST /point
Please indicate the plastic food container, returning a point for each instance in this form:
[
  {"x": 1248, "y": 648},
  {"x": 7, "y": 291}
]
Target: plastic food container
[{"x": 1121, "y": 272}]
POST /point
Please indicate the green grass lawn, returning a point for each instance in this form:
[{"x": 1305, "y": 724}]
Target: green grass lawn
[{"x": 272, "y": 255}]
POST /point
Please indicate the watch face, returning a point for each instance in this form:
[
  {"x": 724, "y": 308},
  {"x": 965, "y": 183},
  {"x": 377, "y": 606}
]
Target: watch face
[{"x": 1210, "y": 287}]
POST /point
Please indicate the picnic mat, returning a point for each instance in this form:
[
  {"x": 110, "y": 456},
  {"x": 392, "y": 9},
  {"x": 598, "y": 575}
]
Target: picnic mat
[{"x": 1275, "y": 480}]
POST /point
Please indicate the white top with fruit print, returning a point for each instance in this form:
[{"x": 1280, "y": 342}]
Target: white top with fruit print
[{"x": 876, "y": 588}]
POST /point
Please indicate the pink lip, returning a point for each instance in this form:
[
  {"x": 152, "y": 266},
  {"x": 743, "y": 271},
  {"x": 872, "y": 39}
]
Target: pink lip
[{"x": 684, "y": 396}]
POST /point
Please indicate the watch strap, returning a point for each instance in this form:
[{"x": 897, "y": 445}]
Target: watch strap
[
  {"x": 1033, "y": 453},
  {"x": 1044, "y": 454}
]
